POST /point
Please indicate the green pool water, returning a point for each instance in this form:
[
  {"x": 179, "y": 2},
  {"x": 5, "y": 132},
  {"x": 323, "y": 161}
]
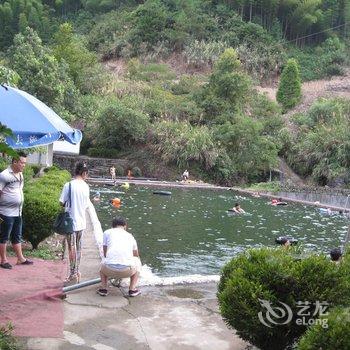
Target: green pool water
[{"x": 191, "y": 232}]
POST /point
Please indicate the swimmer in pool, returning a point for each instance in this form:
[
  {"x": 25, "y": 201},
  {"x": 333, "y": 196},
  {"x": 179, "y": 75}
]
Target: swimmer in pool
[
  {"x": 96, "y": 197},
  {"x": 237, "y": 209}
]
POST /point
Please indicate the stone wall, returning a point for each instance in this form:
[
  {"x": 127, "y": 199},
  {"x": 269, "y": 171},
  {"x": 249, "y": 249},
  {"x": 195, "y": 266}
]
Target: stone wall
[
  {"x": 97, "y": 166},
  {"x": 335, "y": 199}
]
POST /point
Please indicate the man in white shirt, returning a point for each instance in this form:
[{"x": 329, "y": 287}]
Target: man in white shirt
[
  {"x": 121, "y": 257},
  {"x": 11, "y": 203}
]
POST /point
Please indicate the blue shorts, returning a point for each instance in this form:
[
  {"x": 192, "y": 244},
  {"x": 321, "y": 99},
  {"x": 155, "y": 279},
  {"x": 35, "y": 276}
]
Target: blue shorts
[{"x": 11, "y": 228}]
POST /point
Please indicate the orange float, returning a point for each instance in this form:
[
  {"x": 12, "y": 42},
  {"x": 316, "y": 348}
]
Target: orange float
[{"x": 116, "y": 202}]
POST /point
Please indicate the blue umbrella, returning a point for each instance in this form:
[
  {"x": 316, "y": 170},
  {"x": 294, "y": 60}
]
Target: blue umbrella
[{"x": 32, "y": 122}]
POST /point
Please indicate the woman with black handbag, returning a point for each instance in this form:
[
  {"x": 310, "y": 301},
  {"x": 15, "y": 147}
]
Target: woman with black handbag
[{"x": 75, "y": 197}]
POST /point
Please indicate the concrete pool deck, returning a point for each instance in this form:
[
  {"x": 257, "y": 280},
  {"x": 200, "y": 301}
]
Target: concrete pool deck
[{"x": 166, "y": 317}]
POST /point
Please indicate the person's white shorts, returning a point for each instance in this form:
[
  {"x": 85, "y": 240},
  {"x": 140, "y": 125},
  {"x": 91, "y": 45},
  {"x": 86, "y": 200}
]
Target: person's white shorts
[{"x": 122, "y": 273}]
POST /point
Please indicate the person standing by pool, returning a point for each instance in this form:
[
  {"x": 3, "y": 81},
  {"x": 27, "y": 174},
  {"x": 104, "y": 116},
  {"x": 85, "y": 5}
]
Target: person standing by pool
[
  {"x": 11, "y": 204},
  {"x": 185, "y": 175},
  {"x": 237, "y": 209},
  {"x": 121, "y": 257},
  {"x": 75, "y": 197},
  {"x": 112, "y": 172}
]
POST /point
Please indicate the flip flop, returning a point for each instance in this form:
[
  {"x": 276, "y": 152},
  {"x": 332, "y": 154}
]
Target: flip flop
[
  {"x": 6, "y": 265},
  {"x": 26, "y": 262}
]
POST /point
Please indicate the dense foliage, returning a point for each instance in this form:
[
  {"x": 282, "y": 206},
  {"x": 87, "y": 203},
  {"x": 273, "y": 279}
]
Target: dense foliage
[
  {"x": 335, "y": 336},
  {"x": 198, "y": 106},
  {"x": 320, "y": 144},
  {"x": 261, "y": 276}
]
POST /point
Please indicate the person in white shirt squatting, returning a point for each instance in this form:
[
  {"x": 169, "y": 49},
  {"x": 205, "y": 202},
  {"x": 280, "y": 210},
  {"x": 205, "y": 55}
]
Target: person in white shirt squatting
[{"x": 121, "y": 257}]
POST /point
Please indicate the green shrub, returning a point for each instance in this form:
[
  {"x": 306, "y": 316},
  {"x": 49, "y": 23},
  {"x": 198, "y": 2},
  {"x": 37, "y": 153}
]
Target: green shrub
[
  {"x": 7, "y": 341},
  {"x": 119, "y": 170},
  {"x": 136, "y": 171},
  {"x": 325, "y": 60},
  {"x": 335, "y": 336},
  {"x": 121, "y": 126},
  {"x": 272, "y": 186},
  {"x": 103, "y": 152},
  {"x": 41, "y": 205},
  {"x": 278, "y": 275},
  {"x": 180, "y": 142},
  {"x": 289, "y": 89},
  {"x": 149, "y": 72},
  {"x": 201, "y": 53}
]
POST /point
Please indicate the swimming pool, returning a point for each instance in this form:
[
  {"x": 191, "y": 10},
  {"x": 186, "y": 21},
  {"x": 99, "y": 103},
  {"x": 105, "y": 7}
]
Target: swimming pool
[{"x": 191, "y": 232}]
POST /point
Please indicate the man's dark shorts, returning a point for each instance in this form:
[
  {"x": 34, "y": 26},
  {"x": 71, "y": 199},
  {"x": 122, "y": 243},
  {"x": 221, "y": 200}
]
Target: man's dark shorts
[{"x": 11, "y": 228}]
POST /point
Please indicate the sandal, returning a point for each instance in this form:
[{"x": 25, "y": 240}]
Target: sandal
[
  {"x": 103, "y": 292},
  {"x": 6, "y": 265},
  {"x": 73, "y": 277},
  {"x": 26, "y": 262}
]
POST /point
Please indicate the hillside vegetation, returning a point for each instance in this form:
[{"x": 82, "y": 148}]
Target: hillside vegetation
[{"x": 186, "y": 96}]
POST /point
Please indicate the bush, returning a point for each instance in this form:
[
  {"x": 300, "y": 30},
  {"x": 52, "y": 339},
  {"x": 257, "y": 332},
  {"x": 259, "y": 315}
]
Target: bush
[
  {"x": 136, "y": 171},
  {"x": 119, "y": 170},
  {"x": 7, "y": 341},
  {"x": 272, "y": 186},
  {"x": 120, "y": 127},
  {"x": 322, "y": 61},
  {"x": 335, "y": 336},
  {"x": 149, "y": 72},
  {"x": 103, "y": 152},
  {"x": 41, "y": 205},
  {"x": 275, "y": 276},
  {"x": 289, "y": 89},
  {"x": 201, "y": 53}
]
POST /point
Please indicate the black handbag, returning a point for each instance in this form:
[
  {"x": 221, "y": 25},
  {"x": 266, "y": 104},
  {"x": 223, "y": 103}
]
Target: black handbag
[{"x": 64, "y": 223}]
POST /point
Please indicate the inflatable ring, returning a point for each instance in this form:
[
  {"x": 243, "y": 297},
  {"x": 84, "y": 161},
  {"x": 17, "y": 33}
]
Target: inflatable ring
[
  {"x": 283, "y": 239},
  {"x": 125, "y": 185},
  {"x": 164, "y": 193}
]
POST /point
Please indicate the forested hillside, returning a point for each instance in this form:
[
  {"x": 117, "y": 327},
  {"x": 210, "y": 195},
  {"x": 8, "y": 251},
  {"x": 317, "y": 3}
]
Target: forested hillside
[{"x": 186, "y": 96}]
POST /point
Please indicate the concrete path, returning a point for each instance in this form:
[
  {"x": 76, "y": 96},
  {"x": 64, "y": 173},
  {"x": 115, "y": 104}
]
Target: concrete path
[{"x": 169, "y": 317}]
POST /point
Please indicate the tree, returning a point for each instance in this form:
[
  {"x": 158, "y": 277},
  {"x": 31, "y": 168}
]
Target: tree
[
  {"x": 84, "y": 69},
  {"x": 16, "y": 15},
  {"x": 251, "y": 153},
  {"x": 289, "y": 89},
  {"x": 227, "y": 90},
  {"x": 120, "y": 127},
  {"x": 41, "y": 74},
  {"x": 6, "y": 132},
  {"x": 150, "y": 21}
]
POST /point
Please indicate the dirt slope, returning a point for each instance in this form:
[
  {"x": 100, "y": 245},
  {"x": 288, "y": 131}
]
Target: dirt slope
[{"x": 312, "y": 90}]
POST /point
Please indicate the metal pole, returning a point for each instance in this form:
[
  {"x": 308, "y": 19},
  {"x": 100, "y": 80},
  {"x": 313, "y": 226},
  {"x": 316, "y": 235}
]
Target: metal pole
[{"x": 81, "y": 285}]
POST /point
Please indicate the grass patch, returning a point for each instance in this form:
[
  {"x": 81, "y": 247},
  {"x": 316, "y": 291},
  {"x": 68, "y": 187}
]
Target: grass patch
[
  {"x": 50, "y": 249},
  {"x": 273, "y": 186}
]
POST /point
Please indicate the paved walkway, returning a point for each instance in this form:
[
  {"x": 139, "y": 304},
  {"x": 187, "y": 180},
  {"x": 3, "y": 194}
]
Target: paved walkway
[{"x": 169, "y": 317}]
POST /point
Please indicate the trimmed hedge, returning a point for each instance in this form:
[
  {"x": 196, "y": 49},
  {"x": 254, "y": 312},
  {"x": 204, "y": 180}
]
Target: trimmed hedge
[
  {"x": 41, "y": 205},
  {"x": 278, "y": 275},
  {"x": 335, "y": 336}
]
